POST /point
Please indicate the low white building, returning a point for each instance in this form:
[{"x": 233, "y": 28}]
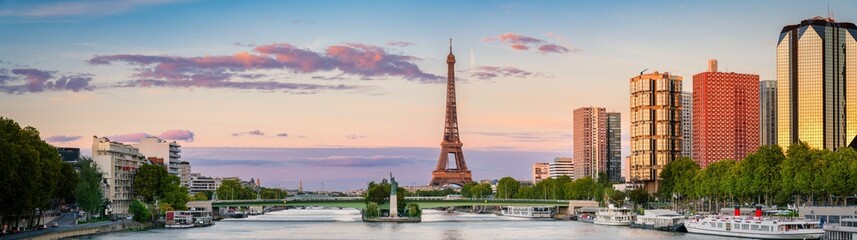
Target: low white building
[
  {"x": 199, "y": 183},
  {"x": 119, "y": 162},
  {"x": 156, "y": 147},
  {"x": 562, "y": 166}
]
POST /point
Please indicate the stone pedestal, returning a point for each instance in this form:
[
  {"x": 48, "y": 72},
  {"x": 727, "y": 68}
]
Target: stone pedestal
[{"x": 394, "y": 210}]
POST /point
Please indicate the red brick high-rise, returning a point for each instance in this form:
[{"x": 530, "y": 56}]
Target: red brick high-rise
[{"x": 725, "y": 115}]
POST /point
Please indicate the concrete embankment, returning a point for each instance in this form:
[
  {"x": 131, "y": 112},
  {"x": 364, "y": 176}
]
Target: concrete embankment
[{"x": 81, "y": 230}]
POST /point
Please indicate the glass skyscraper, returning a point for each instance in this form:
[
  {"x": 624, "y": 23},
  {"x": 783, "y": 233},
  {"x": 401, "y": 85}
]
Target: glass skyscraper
[{"x": 816, "y": 96}]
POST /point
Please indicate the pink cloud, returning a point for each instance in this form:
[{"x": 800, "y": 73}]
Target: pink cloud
[
  {"x": 29, "y": 80},
  {"x": 177, "y": 135},
  {"x": 218, "y": 71},
  {"x": 129, "y": 137},
  {"x": 524, "y": 43}
]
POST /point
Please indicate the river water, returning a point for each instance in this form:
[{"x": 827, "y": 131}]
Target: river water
[{"x": 346, "y": 224}]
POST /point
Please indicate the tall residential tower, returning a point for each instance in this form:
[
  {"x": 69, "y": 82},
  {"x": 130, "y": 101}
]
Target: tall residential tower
[
  {"x": 656, "y": 136},
  {"x": 725, "y": 115},
  {"x": 590, "y": 141}
]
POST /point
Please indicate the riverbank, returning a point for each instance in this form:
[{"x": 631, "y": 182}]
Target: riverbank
[{"x": 82, "y": 230}]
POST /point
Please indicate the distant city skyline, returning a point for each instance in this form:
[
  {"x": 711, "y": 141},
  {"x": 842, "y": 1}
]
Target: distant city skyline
[{"x": 291, "y": 79}]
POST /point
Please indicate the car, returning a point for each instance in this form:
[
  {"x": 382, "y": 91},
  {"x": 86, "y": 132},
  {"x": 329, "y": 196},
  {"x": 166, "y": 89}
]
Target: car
[
  {"x": 55, "y": 224},
  {"x": 42, "y": 227}
]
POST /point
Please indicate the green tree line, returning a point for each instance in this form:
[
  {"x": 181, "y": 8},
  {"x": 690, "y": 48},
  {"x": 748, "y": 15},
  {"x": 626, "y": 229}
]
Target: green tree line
[
  {"x": 233, "y": 189},
  {"x": 768, "y": 176}
]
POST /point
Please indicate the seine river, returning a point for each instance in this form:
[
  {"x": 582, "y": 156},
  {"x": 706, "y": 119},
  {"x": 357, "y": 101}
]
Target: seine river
[{"x": 346, "y": 224}]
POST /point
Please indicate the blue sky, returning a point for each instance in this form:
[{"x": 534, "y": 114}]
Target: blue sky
[{"x": 364, "y": 78}]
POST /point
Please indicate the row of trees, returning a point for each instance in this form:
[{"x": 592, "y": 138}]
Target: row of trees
[
  {"x": 233, "y": 189},
  {"x": 32, "y": 175},
  {"x": 767, "y": 176},
  {"x": 157, "y": 187}
]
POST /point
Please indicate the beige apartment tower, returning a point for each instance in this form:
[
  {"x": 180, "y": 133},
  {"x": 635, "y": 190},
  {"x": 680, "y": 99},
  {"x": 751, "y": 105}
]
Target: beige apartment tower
[{"x": 656, "y": 134}]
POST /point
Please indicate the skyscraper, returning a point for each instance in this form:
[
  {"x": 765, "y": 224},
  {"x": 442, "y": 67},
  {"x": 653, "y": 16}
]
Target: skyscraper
[
  {"x": 590, "y": 141},
  {"x": 687, "y": 123},
  {"x": 614, "y": 146},
  {"x": 725, "y": 115},
  {"x": 655, "y": 126},
  {"x": 816, "y": 95},
  {"x": 767, "y": 112}
]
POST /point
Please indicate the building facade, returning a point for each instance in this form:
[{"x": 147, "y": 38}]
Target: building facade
[
  {"x": 726, "y": 115},
  {"x": 562, "y": 166},
  {"x": 156, "y": 147},
  {"x": 656, "y": 136},
  {"x": 119, "y": 162},
  {"x": 767, "y": 112},
  {"x": 687, "y": 124},
  {"x": 614, "y": 146},
  {"x": 816, "y": 95},
  {"x": 590, "y": 141},
  {"x": 70, "y": 155},
  {"x": 541, "y": 171},
  {"x": 184, "y": 174},
  {"x": 199, "y": 183}
]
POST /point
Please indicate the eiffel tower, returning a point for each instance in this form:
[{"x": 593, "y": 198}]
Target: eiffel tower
[{"x": 451, "y": 145}]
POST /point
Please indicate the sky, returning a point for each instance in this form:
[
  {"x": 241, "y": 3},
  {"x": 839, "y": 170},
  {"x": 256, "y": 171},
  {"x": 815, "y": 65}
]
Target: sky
[{"x": 343, "y": 92}]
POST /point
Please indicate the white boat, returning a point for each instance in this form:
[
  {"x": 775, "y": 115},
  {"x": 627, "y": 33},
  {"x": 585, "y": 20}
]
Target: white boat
[
  {"x": 755, "y": 227},
  {"x": 660, "y": 219},
  {"x": 614, "y": 216},
  {"x": 527, "y": 212},
  {"x": 846, "y": 229},
  {"x": 188, "y": 219}
]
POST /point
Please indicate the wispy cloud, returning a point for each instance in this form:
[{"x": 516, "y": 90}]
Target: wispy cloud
[
  {"x": 31, "y": 80},
  {"x": 64, "y": 8},
  {"x": 492, "y": 72},
  {"x": 525, "y": 43},
  {"x": 61, "y": 138},
  {"x": 175, "y": 135},
  {"x": 282, "y": 135},
  {"x": 528, "y": 136},
  {"x": 251, "y": 133},
  {"x": 354, "y": 136},
  {"x": 400, "y": 44},
  {"x": 298, "y": 21}
]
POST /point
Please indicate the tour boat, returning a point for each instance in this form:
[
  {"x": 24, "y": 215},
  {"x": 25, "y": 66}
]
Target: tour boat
[
  {"x": 755, "y": 227},
  {"x": 661, "y": 219},
  {"x": 188, "y": 219},
  {"x": 527, "y": 212},
  {"x": 614, "y": 216},
  {"x": 846, "y": 229}
]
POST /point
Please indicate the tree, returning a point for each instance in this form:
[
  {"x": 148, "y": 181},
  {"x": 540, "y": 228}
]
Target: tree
[
  {"x": 200, "y": 196},
  {"x": 617, "y": 197},
  {"x": 507, "y": 187},
  {"x": 141, "y": 214},
  {"x": 232, "y": 189},
  {"x": 414, "y": 210},
  {"x": 467, "y": 189},
  {"x": 149, "y": 182},
  {"x": 678, "y": 178},
  {"x": 30, "y": 170},
  {"x": 88, "y": 191},
  {"x": 639, "y": 196},
  {"x": 581, "y": 189},
  {"x": 372, "y": 210}
]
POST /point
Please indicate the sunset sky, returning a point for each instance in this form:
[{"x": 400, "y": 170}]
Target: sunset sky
[{"x": 343, "y": 92}]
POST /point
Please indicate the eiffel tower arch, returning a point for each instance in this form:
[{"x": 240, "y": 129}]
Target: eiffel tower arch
[{"x": 451, "y": 145}]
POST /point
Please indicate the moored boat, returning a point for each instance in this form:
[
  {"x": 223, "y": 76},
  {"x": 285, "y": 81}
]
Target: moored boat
[
  {"x": 846, "y": 229},
  {"x": 660, "y": 219},
  {"x": 614, "y": 216},
  {"x": 527, "y": 212},
  {"x": 755, "y": 227}
]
